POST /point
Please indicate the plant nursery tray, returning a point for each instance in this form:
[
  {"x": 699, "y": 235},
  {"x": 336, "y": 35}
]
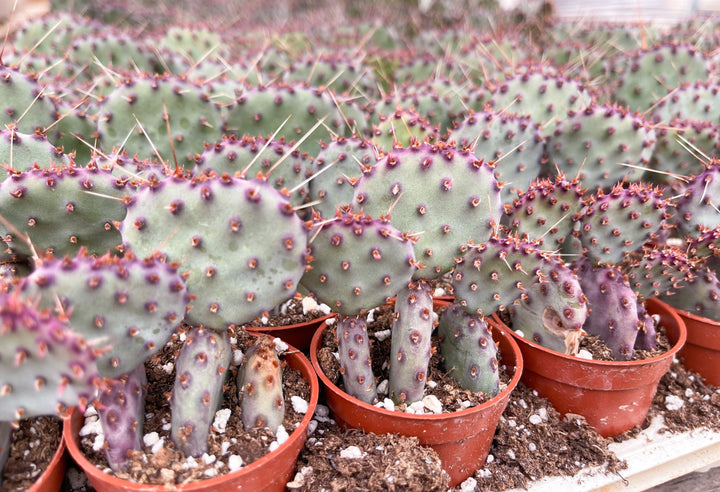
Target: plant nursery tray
[{"x": 653, "y": 458}]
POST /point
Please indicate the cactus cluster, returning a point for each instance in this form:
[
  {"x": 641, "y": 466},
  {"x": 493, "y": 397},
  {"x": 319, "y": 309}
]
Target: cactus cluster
[{"x": 193, "y": 174}]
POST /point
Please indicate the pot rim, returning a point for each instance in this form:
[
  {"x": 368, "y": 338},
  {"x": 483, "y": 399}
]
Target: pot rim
[
  {"x": 695, "y": 317},
  {"x": 605, "y": 364},
  {"x": 504, "y": 393},
  {"x": 281, "y": 328},
  {"x": 300, "y": 432}
]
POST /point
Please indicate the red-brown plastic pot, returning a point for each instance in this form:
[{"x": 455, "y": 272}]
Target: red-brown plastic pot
[
  {"x": 701, "y": 352},
  {"x": 462, "y": 439},
  {"x": 52, "y": 478},
  {"x": 613, "y": 396},
  {"x": 298, "y": 335},
  {"x": 270, "y": 473}
]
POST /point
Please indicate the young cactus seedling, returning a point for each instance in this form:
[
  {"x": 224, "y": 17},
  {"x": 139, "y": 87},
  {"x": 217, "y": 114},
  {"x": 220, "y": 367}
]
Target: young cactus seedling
[{"x": 260, "y": 386}]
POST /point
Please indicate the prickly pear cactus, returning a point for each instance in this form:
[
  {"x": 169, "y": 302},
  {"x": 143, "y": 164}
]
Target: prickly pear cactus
[
  {"x": 617, "y": 223},
  {"x": 201, "y": 368},
  {"x": 513, "y": 143},
  {"x": 195, "y": 44},
  {"x": 22, "y": 152},
  {"x": 647, "y": 76},
  {"x": 61, "y": 209},
  {"x": 336, "y": 168},
  {"x": 133, "y": 305},
  {"x": 400, "y": 128},
  {"x": 354, "y": 355},
  {"x": 29, "y": 107},
  {"x": 45, "y": 367},
  {"x": 695, "y": 101},
  {"x": 654, "y": 272},
  {"x": 420, "y": 189},
  {"x": 410, "y": 348},
  {"x": 139, "y": 111},
  {"x": 544, "y": 97},
  {"x": 679, "y": 151},
  {"x": 261, "y": 111},
  {"x": 546, "y": 212},
  {"x": 552, "y": 312},
  {"x": 239, "y": 242},
  {"x": 701, "y": 296},
  {"x": 261, "y": 387},
  {"x": 613, "y": 307},
  {"x": 469, "y": 350},
  {"x": 247, "y": 156},
  {"x": 74, "y": 132},
  {"x": 696, "y": 210},
  {"x": 358, "y": 263},
  {"x": 494, "y": 274},
  {"x": 601, "y": 145},
  {"x": 121, "y": 410}
]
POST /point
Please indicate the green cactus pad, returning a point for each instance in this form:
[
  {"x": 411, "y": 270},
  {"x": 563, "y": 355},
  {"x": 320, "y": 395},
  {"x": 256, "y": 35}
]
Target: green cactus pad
[
  {"x": 132, "y": 305},
  {"x": 239, "y": 242},
  {"x": 421, "y": 189}
]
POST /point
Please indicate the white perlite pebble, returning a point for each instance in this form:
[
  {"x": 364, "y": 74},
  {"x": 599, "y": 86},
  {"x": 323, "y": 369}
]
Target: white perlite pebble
[
  {"x": 224, "y": 446},
  {"x": 432, "y": 404},
  {"x": 312, "y": 425},
  {"x": 535, "y": 419},
  {"x": 490, "y": 459},
  {"x": 280, "y": 346},
  {"x": 92, "y": 426},
  {"x": 416, "y": 407},
  {"x": 189, "y": 463},
  {"x": 585, "y": 354},
  {"x": 281, "y": 435},
  {"x": 370, "y": 316},
  {"x": 235, "y": 462},
  {"x": 322, "y": 411},
  {"x": 382, "y": 388},
  {"x": 673, "y": 402},
  {"x": 532, "y": 447},
  {"x": 389, "y": 404},
  {"x": 221, "y": 419},
  {"x": 309, "y": 305},
  {"x": 168, "y": 368},
  {"x": 468, "y": 485},
  {"x": 151, "y": 438},
  {"x": 330, "y": 321},
  {"x": 99, "y": 442},
  {"x": 383, "y": 334},
  {"x": 352, "y": 452},
  {"x": 299, "y": 404},
  {"x": 439, "y": 292},
  {"x": 208, "y": 459},
  {"x": 238, "y": 357},
  {"x": 273, "y": 446},
  {"x": 511, "y": 454}
]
